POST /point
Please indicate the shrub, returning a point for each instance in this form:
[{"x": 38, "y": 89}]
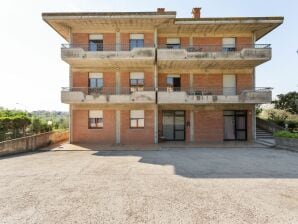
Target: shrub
[{"x": 285, "y": 134}]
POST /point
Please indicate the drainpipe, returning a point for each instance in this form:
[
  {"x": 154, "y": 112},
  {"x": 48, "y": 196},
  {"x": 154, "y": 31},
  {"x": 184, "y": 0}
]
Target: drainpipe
[
  {"x": 156, "y": 88},
  {"x": 70, "y": 85},
  {"x": 254, "y": 121}
]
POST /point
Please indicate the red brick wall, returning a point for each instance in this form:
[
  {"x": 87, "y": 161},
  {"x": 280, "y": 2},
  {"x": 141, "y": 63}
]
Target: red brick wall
[
  {"x": 243, "y": 42},
  {"x": 109, "y": 41},
  {"x": 82, "y": 134},
  {"x": 80, "y": 79},
  {"x": 109, "y": 79},
  {"x": 209, "y": 82},
  {"x": 244, "y": 82},
  {"x": 149, "y": 39},
  {"x": 124, "y": 37},
  {"x": 80, "y": 38},
  {"x": 184, "y": 42},
  {"x": 149, "y": 81},
  {"x": 209, "y": 126},
  {"x": 162, "y": 41},
  {"x": 207, "y": 41},
  {"x": 131, "y": 136}
]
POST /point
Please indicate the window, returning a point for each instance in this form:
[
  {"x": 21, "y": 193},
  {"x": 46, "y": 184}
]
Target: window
[
  {"x": 173, "y": 82},
  {"x": 136, "y": 81},
  {"x": 229, "y": 44},
  {"x": 95, "y": 42},
  {"x": 136, "y": 41},
  {"x": 173, "y": 43},
  {"x": 137, "y": 119},
  {"x": 95, "y": 83},
  {"x": 95, "y": 119}
]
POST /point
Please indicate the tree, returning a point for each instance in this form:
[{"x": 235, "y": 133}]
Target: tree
[{"x": 287, "y": 102}]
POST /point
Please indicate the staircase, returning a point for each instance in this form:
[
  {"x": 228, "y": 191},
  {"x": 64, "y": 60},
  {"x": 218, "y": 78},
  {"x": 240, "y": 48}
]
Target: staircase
[
  {"x": 264, "y": 137},
  {"x": 263, "y": 134}
]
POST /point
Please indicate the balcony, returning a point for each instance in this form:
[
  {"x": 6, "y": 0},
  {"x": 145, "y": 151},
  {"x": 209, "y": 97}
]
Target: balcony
[
  {"x": 218, "y": 95},
  {"x": 108, "y": 55},
  {"x": 107, "y": 95},
  {"x": 213, "y": 56}
]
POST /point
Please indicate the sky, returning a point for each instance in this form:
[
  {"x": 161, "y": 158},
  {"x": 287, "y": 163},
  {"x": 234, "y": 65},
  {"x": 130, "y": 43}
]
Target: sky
[{"x": 32, "y": 72}]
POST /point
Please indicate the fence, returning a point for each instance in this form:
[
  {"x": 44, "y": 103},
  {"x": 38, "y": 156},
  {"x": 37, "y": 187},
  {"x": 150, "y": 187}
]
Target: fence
[{"x": 31, "y": 143}]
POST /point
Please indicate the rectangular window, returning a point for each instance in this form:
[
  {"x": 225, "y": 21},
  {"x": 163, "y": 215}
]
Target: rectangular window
[
  {"x": 229, "y": 44},
  {"x": 173, "y": 43},
  {"x": 136, "y": 41},
  {"x": 95, "y": 119},
  {"x": 95, "y": 83},
  {"x": 95, "y": 42},
  {"x": 137, "y": 119},
  {"x": 136, "y": 81}
]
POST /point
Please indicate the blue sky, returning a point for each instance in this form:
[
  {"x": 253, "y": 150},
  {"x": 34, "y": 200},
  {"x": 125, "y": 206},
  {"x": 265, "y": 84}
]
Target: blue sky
[{"x": 32, "y": 71}]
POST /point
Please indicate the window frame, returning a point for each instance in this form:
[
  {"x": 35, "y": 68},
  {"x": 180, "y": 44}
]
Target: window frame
[
  {"x": 137, "y": 119},
  {"x": 98, "y": 120}
]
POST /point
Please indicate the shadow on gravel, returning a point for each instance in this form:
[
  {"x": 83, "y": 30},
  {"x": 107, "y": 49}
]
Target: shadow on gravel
[{"x": 219, "y": 163}]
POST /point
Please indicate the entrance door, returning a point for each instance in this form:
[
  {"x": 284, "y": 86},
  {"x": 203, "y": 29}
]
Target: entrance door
[
  {"x": 229, "y": 85},
  {"x": 173, "y": 125},
  {"x": 235, "y": 127}
]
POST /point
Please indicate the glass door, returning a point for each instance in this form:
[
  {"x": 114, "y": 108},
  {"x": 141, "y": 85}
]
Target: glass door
[
  {"x": 235, "y": 125},
  {"x": 174, "y": 125}
]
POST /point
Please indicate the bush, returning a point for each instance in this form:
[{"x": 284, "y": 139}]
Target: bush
[{"x": 285, "y": 134}]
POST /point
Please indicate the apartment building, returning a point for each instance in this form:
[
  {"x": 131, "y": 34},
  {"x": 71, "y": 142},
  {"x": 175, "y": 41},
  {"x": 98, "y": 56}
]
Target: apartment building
[{"x": 149, "y": 77}]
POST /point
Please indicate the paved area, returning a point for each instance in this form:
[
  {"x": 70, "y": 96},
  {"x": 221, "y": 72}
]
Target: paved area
[{"x": 220, "y": 185}]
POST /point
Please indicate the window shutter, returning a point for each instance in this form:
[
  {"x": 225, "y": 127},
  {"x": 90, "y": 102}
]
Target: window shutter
[
  {"x": 95, "y": 37},
  {"x": 136, "y": 75},
  {"x": 95, "y": 75},
  {"x": 95, "y": 114},
  {"x": 231, "y": 42},
  {"x": 137, "y": 114},
  {"x": 136, "y": 36},
  {"x": 173, "y": 40}
]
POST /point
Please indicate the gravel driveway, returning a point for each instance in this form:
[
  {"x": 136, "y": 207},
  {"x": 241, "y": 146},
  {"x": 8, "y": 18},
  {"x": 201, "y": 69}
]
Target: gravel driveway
[{"x": 225, "y": 185}]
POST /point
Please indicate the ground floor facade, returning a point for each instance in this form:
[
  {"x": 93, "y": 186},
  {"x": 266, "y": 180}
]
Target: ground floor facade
[{"x": 151, "y": 124}]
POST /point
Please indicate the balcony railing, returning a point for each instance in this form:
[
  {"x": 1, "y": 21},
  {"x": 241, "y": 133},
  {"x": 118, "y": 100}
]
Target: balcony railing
[
  {"x": 215, "y": 51},
  {"x": 214, "y": 95},
  {"x": 106, "y": 47},
  {"x": 108, "y": 95}
]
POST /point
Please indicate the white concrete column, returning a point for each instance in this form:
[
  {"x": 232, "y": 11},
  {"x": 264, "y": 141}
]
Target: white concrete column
[
  {"x": 191, "y": 41},
  {"x": 156, "y": 124},
  {"x": 190, "y": 80},
  {"x": 192, "y": 126},
  {"x": 155, "y": 38},
  {"x": 118, "y": 82},
  {"x": 118, "y": 41},
  {"x": 118, "y": 126}
]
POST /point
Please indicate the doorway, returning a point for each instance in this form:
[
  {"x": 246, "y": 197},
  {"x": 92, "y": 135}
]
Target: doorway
[
  {"x": 235, "y": 125},
  {"x": 173, "y": 82},
  {"x": 173, "y": 123}
]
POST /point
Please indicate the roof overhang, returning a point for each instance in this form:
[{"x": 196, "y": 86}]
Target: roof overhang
[
  {"x": 65, "y": 23},
  {"x": 260, "y": 26}
]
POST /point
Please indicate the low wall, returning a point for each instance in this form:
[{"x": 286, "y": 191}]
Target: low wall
[
  {"x": 268, "y": 125},
  {"x": 286, "y": 143},
  {"x": 32, "y": 143}
]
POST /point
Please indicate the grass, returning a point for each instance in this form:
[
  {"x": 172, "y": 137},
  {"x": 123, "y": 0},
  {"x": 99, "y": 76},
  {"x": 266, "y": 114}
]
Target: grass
[{"x": 285, "y": 134}]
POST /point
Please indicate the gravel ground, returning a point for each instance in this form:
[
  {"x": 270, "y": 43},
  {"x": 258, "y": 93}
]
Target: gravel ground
[{"x": 226, "y": 185}]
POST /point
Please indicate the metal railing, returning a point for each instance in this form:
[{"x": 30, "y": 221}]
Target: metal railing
[
  {"x": 216, "y": 48},
  {"x": 108, "y": 90},
  {"x": 211, "y": 91},
  {"x": 197, "y": 91},
  {"x": 106, "y": 47}
]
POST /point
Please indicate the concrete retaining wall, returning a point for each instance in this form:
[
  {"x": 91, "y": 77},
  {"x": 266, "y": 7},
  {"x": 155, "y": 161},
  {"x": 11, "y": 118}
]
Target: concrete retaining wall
[
  {"x": 287, "y": 143},
  {"x": 32, "y": 143}
]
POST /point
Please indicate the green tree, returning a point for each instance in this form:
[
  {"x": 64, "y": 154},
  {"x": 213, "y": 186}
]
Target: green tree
[{"x": 287, "y": 102}]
